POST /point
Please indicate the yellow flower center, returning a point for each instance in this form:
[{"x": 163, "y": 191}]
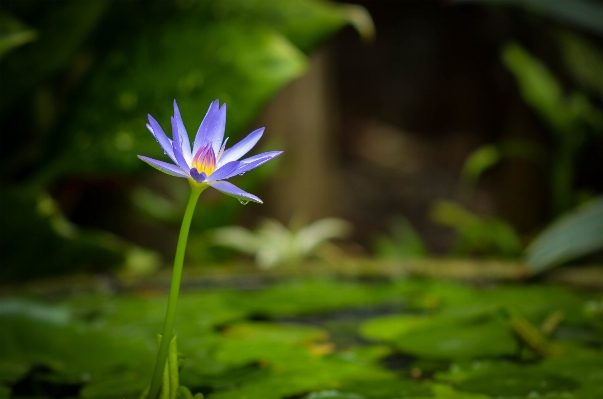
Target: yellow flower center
[{"x": 205, "y": 160}]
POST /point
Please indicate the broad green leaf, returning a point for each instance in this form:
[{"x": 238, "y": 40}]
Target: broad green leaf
[
  {"x": 316, "y": 374},
  {"x": 388, "y": 328},
  {"x": 446, "y": 392},
  {"x": 96, "y": 72},
  {"x": 196, "y": 63},
  {"x": 574, "y": 235},
  {"x": 241, "y": 52},
  {"x": 517, "y": 382},
  {"x": 399, "y": 388},
  {"x": 587, "y": 369},
  {"x": 447, "y": 339},
  {"x": 267, "y": 343},
  {"x": 45, "y": 335}
]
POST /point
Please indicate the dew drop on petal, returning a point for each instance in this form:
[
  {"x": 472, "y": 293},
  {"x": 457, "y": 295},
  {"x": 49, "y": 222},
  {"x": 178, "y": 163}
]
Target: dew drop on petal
[{"x": 243, "y": 202}]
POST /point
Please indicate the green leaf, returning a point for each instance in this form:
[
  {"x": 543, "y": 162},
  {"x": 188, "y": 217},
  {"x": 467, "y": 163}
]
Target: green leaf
[
  {"x": 586, "y": 369},
  {"x": 238, "y": 51},
  {"x": 574, "y": 235},
  {"x": 517, "y": 382},
  {"x": 404, "y": 242},
  {"x": 38, "y": 334},
  {"x": 398, "y": 388},
  {"x": 538, "y": 86},
  {"x": 271, "y": 343},
  {"x": 240, "y": 65},
  {"x": 477, "y": 235},
  {"x": 388, "y": 328},
  {"x": 13, "y": 33},
  {"x": 480, "y": 160},
  {"x": 487, "y": 156},
  {"x": 443, "y": 339}
]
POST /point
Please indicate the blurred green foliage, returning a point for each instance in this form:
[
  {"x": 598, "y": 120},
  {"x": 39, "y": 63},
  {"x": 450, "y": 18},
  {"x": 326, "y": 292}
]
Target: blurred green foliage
[
  {"x": 274, "y": 244},
  {"x": 434, "y": 334},
  {"x": 76, "y": 98},
  {"x": 574, "y": 120},
  {"x": 402, "y": 243},
  {"x": 575, "y": 235},
  {"x": 486, "y": 236},
  {"x": 13, "y": 34}
]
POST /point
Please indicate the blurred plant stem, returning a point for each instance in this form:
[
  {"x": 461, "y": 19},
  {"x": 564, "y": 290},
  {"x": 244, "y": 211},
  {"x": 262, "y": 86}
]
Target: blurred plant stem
[{"x": 170, "y": 314}]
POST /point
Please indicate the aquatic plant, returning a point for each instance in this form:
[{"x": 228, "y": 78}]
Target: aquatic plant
[{"x": 206, "y": 164}]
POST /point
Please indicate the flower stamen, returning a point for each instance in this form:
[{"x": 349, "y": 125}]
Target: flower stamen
[{"x": 204, "y": 160}]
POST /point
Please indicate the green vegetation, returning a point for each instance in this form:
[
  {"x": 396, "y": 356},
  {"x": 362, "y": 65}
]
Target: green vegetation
[{"x": 312, "y": 338}]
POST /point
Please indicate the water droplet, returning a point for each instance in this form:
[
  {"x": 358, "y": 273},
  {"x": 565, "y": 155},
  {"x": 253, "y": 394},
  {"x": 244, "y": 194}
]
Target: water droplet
[{"x": 243, "y": 202}]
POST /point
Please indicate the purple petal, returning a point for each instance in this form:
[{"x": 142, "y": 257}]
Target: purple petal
[
  {"x": 165, "y": 167},
  {"x": 242, "y": 147},
  {"x": 177, "y": 150},
  {"x": 161, "y": 138},
  {"x": 204, "y": 128},
  {"x": 186, "y": 144},
  {"x": 232, "y": 190},
  {"x": 262, "y": 156},
  {"x": 255, "y": 161},
  {"x": 198, "y": 177},
  {"x": 248, "y": 164},
  {"x": 215, "y": 135},
  {"x": 225, "y": 171}
]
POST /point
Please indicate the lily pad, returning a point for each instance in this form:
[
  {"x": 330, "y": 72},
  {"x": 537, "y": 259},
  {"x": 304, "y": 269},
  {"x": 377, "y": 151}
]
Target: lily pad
[
  {"x": 518, "y": 382},
  {"x": 443, "y": 339},
  {"x": 398, "y": 388},
  {"x": 39, "y": 335},
  {"x": 388, "y": 328},
  {"x": 587, "y": 369},
  {"x": 316, "y": 374},
  {"x": 267, "y": 343}
]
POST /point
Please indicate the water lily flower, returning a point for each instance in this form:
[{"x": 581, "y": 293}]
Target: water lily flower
[{"x": 208, "y": 162}]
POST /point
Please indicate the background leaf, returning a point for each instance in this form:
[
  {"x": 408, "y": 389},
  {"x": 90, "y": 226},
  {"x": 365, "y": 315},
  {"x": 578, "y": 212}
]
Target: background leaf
[{"x": 574, "y": 235}]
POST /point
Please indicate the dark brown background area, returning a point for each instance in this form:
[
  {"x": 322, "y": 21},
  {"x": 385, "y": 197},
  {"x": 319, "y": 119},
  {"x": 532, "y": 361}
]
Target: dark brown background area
[{"x": 384, "y": 128}]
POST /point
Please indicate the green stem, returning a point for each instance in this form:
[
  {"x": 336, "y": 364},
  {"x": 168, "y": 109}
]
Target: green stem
[{"x": 170, "y": 314}]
